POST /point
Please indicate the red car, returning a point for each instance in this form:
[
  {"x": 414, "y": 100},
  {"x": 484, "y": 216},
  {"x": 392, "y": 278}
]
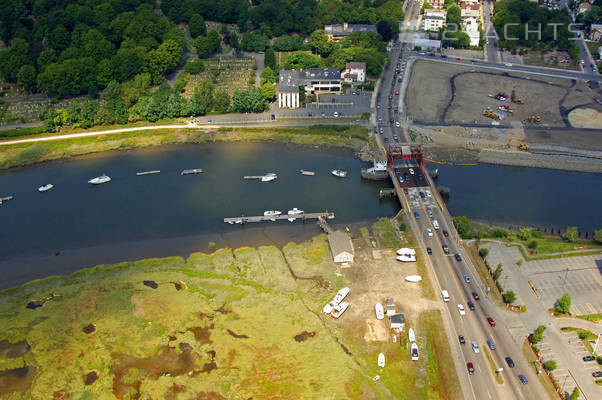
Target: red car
[
  {"x": 445, "y": 233},
  {"x": 470, "y": 368},
  {"x": 491, "y": 321},
  {"x": 405, "y": 190},
  {"x": 458, "y": 59},
  {"x": 396, "y": 92}
]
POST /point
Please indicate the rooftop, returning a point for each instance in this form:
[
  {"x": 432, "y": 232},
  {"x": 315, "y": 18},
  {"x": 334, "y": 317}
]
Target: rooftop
[
  {"x": 289, "y": 80},
  {"x": 339, "y": 242},
  {"x": 346, "y": 29}
]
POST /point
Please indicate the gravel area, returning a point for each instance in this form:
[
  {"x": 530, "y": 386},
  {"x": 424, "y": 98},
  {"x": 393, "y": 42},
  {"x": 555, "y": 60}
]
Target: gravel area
[{"x": 541, "y": 161}]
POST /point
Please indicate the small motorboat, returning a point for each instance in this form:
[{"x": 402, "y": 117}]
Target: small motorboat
[
  {"x": 328, "y": 308},
  {"x": 380, "y": 311},
  {"x": 414, "y": 352},
  {"x": 406, "y": 258},
  {"x": 339, "y": 310},
  {"x": 104, "y": 178},
  {"x": 413, "y": 278},
  {"x": 406, "y": 251},
  {"x": 294, "y": 211},
  {"x": 271, "y": 213},
  {"x": 239, "y": 221},
  {"x": 341, "y": 294},
  {"x": 269, "y": 177},
  {"x": 381, "y": 360},
  {"x": 46, "y": 187},
  {"x": 307, "y": 173},
  {"x": 339, "y": 173},
  {"x": 411, "y": 336}
]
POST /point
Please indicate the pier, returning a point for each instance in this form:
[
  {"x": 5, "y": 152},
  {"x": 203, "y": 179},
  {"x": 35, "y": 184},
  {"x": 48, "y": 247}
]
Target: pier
[{"x": 262, "y": 218}]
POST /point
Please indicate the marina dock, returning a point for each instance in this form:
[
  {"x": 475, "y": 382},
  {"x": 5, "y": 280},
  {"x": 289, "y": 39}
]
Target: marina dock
[
  {"x": 261, "y": 218},
  {"x": 142, "y": 173}
]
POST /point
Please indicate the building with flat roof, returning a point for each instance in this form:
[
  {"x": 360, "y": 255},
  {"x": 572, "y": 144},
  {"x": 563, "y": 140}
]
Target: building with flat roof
[
  {"x": 312, "y": 80},
  {"x": 433, "y": 19},
  {"x": 427, "y": 44},
  {"x": 337, "y": 32},
  {"x": 354, "y": 72},
  {"x": 471, "y": 27},
  {"x": 341, "y": 247}
]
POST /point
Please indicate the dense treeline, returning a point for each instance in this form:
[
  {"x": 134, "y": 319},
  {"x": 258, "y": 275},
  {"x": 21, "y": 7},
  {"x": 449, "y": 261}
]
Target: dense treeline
[
  {"x": 527, "y": 15},
  {"x": 70, "y": 47}
]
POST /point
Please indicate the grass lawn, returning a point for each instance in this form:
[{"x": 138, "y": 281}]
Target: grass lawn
[
  {"x": 591, "y": 317},
  {"x": 385, "y": 232},
  {"x": 483, "y": 271}
]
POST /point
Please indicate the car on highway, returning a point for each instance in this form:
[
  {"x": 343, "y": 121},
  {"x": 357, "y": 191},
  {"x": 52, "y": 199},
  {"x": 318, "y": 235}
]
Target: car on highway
[
  {"x": 406, "y": 176},
  {"x": 428, "y": 193},
  {"x": 381, "y": 130},
  {"x": 416, "y": 215},
  {"x": 458, "y": 257},
  {"x": 336, "y": 114},
  {"x": 475, "y": 296},
  {"x": 471, "y": 305},
  {"x": 397, "y": 92},
  {"x": 430, "y": 212},
  {"x": 429, "y": 250},
  {"x": 422, "y": 195},
  {"x": 510, "y": 362},
  {"x": 443, "y": 56},
  {"x": 445, "y": 233},
  {"x": 470, "y": 368},
  {"x": 411, "y": 171},
  {"x": 523, "y": 379},
  {"x": 461, "y": 309},
  {"x": 461, "y": 339},
  {"x": 491, "y": 344},
  {"x": 467, "y": 278},
  {"x": 475, "y": 347},
  {"x": 405, "y": 190},
  {"x": 589, "y": 358},
  {"x": 380, "y": 118},
  {"x": 398, "y": 79},
  {"x": 445, "y": 249},
  {"x": 429, "y": 231},
  {"x": 491, "y": 321},
  {"x": 386, "y": 139},
  {"x": 597, "y": 374},
  {"x": 397, "y": 124},
  {"x": 395, "y": 136},
  {"x": 508, "y": 64},
  {"x": 458, "y": 59}
]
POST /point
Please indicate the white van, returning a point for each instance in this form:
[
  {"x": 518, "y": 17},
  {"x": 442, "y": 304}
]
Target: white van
[
  {"x": 445, "y": 296},
  {"x": 436, "y": 224}
]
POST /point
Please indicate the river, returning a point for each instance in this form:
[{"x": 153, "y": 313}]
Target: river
[{"x": 76, "y": 225}]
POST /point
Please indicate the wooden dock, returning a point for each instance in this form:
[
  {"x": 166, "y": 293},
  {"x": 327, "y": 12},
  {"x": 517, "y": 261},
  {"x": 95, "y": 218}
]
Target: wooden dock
[
  {"x": 156, "y": 171},
  {"x": 262, "y": 218}
]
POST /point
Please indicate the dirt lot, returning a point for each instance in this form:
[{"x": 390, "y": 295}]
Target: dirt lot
[{"x": 453, "y": 93}]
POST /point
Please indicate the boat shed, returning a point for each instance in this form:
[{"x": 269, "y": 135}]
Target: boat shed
[
  {"x": 389, "y": 307},
  {"x": 398, "y": 322},
  {"x": 341, "y": 247}
]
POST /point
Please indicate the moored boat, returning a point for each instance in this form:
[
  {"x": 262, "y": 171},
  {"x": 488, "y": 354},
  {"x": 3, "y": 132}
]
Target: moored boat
[
  {"x": 413, "y": 278},
  {"x": 46, "y": 187},
  {"x": 406, "y": 258},
  {"x": 341, "y": 294},
  {"x": 307, "y": 173},
  {"x": 270, "y": 176},
  {"x": 192, "y": 171},
  {"x": 339, "y": 310},
  {"x": 328, "y": 308},
  {"x": 406, "y": 251},
  {"x": 339, "y": 173},
  {"x": 414, "y": 352},
  {"x": 411, "y": 336},
  {"x": 104, "y": 178},
  {"x": 271, "y": 213},
  {"x": 381, "y": 360},
  {"x": 380, "y": 311},
  {"x": 294, "y": 211}
]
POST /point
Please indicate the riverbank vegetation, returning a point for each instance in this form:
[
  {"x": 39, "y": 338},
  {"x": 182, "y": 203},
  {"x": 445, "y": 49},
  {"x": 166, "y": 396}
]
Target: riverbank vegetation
[
  {"x": 351, "y": 137},
  {"x": 231, "y": 324}
]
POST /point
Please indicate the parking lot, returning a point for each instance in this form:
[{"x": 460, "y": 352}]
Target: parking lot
[{"x": 346, "y": 105}]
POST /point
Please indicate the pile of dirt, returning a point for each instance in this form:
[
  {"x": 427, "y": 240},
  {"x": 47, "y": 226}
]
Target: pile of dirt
[{"x": 585, "y": 118}]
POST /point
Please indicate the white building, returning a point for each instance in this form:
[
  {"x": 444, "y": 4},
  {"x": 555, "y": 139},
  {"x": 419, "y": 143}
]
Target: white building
[
  {"x": 433, "y": 19},
  {"x": 470, "y": 10},
  {"x": 471, "y": 27},
  {"x": 389, "y": 307},
  {"x": 397, "y": 322},
  {"x": 354, "y": 72},
  {"x": 312, "y": 81},
  {"x": 341, "y": 247}
]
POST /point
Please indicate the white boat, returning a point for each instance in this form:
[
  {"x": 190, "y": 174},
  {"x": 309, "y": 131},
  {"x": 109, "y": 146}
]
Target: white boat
[
  {"x": 341, "y": 294},
  {"x": 328, "y": 308},
  {"x": 411, "y": 336},
  {"x": 339, "y": 310},
  {"x": 269, "y": 177},
  {"x": 413, "y": 278},
  {"x": 46, "y": 187},
  {"x": 271, "y": 213},
  {"x": 406, "y": 258},
  {"x": 294, "y": 211},
  {"x": 191, "y": 171},
  {"x": 339, "y": 173},
  {"x": 381, "y": 360},
  {"x": 406, "y": 251},
  {"x": 104, "y": 178},
  {"x": 239, "y": 221},
  {"x": 308, "y": 173},
  {"x": 380, "y": 311},
  {"x": 414, "y": 352}
]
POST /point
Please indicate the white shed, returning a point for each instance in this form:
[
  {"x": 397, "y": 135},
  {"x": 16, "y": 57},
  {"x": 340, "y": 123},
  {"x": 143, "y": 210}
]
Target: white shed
[
  {"x": 341, "y": 247},
  {"x": 398, "y": 322}
]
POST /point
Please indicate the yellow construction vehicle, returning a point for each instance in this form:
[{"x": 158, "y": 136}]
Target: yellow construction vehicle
[
  {"x": 490, "y": 114},
  {"x": 521, "y": 145},
  {"x": 535, "y": 119},
  {"x": 514, "y": 99}
]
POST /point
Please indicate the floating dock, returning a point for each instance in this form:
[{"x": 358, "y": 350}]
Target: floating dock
[
  {"x": 191, "y": 171},
  {"x": 308, "y": 173},
  {"x": 142, "y": 173},
  {"x": 261, "y": 218},
  {"x": 3, "y": 199}
]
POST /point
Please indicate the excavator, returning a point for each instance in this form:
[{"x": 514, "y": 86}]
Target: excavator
[
  {"x": 516, "y": 100},
  {"x": 490, "y": 114},
  {"x": 535, "y": 119},
  {"x": 521, "y": 145}
]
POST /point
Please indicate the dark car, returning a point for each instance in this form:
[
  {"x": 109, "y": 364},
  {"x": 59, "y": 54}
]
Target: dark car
[
  {"x": 523, "y": 379},
  {"x": 458, "y": 258},
  {"x": 471, "y": 305},
  {"x": 429, "y": 250},
  {"x": 491, "y": 344},
  {"x": 491, "y": 321},
  {"x": 406, "y": 176},
  {"x": 445, "y": 233},
  {"x": 443, "y": 56},
  {"x": 461, "y": 339},
  {"x": 589, "y": 358},
  {"x": 597, "y": 374},
  {"x": 470, "y": 368},
  {"x": 467, "y": 278},
  {"x": 475, "y": 296},
  {"x": 445, "y": 249},
  {"x": 510, "y": 362},
  {"x": 416, "y": 215},
  {"x": 422, "y": 195}
]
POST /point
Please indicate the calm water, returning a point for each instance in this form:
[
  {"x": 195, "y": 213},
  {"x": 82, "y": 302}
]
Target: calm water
[{"x": 524, "y": 196}]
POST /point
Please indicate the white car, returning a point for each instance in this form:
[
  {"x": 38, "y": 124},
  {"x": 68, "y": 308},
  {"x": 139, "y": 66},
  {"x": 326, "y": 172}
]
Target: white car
[
  {"x": 429, "y": 231},
  {"x": 397, "y": 124},
  {"x": 411, "y": 171},
  {"x": 461, "y": 309},
  {"x": 475, "y": 347},
  {"x": 428, "y": 193}
]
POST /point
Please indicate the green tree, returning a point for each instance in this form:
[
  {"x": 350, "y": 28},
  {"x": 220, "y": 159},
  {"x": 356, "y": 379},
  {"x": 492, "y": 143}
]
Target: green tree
[
  {"x": 320, "y": 44},
  {"x": 251, "y": 100},
  {"x": 532, "y": 244},
  {"x": 575, "y": 394},
  {"x": 301, "y": 60},
  {"x": 201, "y": 101},
  {"x": 60, "y": 38},
  {"x": 112, "y": 91},
  {"x": 207, "y": 45},
  {"x": 570, "y": 234},
  {"x": 483, "y": 252},
  {"x": 47, "y": 56},
  {"x": 598, "y": 236},
  {"x": 221, "y": 102},
  {"x": 268, "y": 76},
  {"x": 509, "y": 297},
  {"x": 525, "y": 233},
  {"x": 165, "y": 58},
  {"x": 105, "y": 72},
  {"x": 563, "y": 304},
  {"x": 196, "y": 26},
  {"x": 253, "y": 41},
  {"x": 269, "y": 91},
  {"x": 500, "y": 233},
  {"x": 270, "y": 59},
  {"x": 537, "y": 335},
  {"x": 498, "y": 272},
  {"x": 464, "y": 227},
  {"x": 194, "y": 66},
  {"x": 550, "y": 365},
  {"x": 26, "y": 77}
]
